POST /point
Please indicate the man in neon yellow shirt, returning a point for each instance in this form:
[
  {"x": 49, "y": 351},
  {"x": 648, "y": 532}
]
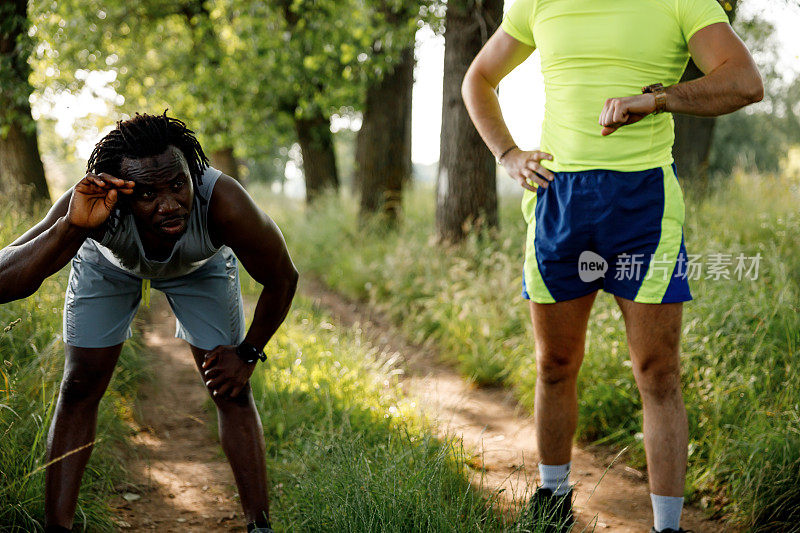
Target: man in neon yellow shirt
[{"x": 603, "y": 205}]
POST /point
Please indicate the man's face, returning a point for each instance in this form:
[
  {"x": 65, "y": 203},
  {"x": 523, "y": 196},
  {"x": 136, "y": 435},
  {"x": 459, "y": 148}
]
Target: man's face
[{"x": 162, "y": 198}]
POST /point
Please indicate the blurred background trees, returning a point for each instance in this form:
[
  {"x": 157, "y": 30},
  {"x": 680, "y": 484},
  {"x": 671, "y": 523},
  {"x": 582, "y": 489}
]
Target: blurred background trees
[
  {"x": 20, "y": 163},
  {"x": 760, "y": 138},
  {"x": 318, "y": 89}
]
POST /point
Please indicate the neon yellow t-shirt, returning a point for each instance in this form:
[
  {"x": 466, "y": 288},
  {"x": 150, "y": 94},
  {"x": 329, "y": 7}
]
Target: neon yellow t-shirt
[{"x": 592, "y": 50}]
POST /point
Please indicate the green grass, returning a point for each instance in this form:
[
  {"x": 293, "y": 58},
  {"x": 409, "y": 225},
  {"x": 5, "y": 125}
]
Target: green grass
[
  {"x": 347, "y": 450},
  {"x": 31, "y": 363},
  {"x": 741, "y": 338}
]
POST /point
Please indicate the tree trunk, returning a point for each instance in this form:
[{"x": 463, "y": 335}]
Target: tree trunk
[
  {"x": 225, "y": 161},
  {"x": 22, "y": 164},
  {"x": 319, "y": 161},
  {"x": 383, "y": 146},
  {"x": 466, "y": 189},
  {"x": 19, "y": 148},
  {"x": 693, "y": 135}
]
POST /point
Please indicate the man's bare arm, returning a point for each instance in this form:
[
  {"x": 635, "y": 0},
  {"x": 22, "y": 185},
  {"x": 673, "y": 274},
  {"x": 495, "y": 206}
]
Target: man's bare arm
[
  {"x": 39, "y": 253},
  {"x": 259, "y": 245},
  {"x": 236, "y": 221},
  {"x": 500, "y": 55},
  {"x": 49, "y": 245},
  {"x": 731, "y": 81}
]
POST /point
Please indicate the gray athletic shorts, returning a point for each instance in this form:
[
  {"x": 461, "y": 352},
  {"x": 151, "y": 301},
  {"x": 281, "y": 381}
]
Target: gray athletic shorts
[{"x": 102, "y": 300}]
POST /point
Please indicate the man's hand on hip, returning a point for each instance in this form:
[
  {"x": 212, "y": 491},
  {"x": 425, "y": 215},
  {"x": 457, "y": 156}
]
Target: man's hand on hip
[
  {"x": 523, "y": 166},
  {"x": 224, "y": 372},
  {"x": 618, "y": 112}
]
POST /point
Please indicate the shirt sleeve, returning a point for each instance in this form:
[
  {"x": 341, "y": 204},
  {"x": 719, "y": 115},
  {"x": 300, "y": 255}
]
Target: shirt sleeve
[
  {"x": 518, "y": 21},
  {"x": 694, "y": 15}
]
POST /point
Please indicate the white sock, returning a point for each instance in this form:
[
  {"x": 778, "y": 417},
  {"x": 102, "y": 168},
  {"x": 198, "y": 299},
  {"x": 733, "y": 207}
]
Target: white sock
[
  {"x": 555, "y": 478},
  {"x": 666, "y": 512}
]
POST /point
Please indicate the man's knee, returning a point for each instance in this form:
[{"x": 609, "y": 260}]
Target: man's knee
[
  {"x": 87, "y": 373},
  {"x": 243, "y": 400},
  {"x": 658, "y": 376},
  {"x": 77, "y": 389},
  {"x": 557, "y": 366}
]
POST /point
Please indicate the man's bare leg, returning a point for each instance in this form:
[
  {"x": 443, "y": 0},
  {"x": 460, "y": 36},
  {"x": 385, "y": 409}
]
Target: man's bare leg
[
  {"x": 654, "y": 332},
  {"x": 560, "y": 334},
  {"x": 242, "y": 438},
  {"x": 87, "y": 372}
]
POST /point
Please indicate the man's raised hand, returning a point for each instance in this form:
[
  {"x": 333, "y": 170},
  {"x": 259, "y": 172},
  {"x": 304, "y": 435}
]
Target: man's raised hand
[
  {"x": 618, "y": 112},
  {"x": 93, "y": 199},
  {"x": 523, "y": 166}
]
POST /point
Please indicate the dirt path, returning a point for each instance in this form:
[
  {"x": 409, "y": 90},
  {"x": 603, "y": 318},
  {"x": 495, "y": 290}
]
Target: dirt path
[
  {"x": 500, "y": 433},
  {"x": 180, "y": 481}
]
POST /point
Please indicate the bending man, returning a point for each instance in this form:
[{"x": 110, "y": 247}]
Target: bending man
[{"x": 151, "y": 211}]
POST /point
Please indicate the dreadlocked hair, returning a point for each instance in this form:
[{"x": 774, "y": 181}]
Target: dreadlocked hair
[{"x": 145, "y": 136}]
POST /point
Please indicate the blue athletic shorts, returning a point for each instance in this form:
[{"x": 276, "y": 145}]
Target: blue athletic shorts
[
  {"x": 601, "y": 229},
  {"x": 102, "y": 300}
]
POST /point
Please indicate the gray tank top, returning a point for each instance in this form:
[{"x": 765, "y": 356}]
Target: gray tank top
[{"x": 122, "y": 248}]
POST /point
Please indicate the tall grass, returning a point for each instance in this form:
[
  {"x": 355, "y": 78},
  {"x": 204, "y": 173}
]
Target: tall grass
[
  {"x": 347, "y": 450},
  {"x": 740, "y": 338},
  {"x": 31, "y": 361}
]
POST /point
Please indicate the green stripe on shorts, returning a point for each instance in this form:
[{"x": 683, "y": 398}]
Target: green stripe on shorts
[
  {"x": 659, "y": 271},
  {"x": 534, "y": 283}
]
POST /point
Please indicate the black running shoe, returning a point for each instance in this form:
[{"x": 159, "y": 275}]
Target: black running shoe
[
  {"x": 668, "y": 530},
  {"x": 547, "y": 513}
]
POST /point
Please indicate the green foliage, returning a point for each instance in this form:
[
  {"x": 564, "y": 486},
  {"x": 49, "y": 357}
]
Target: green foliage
[
  {"x": 239, "y": 72},
  {"x": 437, "y": 297},
  {"x": 740, "y": 337},
  {"x": 758, "y": 137},
  {"x": 741, "y": 343},
  {"x": 30, "y": 370},
  {"x": 165, "y": 55}
]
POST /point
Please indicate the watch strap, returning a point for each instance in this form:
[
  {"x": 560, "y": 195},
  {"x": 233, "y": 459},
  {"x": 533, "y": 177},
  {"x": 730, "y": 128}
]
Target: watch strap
[
  {"x": 660, "y": 93},
  {"x": 249, "y": 353}
]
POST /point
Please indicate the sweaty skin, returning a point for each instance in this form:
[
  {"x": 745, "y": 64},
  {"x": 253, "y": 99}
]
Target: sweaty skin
[{"x": 158, "y": 191}]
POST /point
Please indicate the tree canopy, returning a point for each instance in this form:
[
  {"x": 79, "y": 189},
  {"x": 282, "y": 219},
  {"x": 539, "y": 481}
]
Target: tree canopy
[{"x": 237, "y": 71}]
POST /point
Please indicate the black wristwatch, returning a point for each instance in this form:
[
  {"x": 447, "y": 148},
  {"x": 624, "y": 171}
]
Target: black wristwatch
[{"x": 249, "y": 353}]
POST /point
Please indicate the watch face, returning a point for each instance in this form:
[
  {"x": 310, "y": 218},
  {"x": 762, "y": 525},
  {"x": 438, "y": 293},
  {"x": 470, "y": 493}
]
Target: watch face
[{"x": 249, "y": 353}]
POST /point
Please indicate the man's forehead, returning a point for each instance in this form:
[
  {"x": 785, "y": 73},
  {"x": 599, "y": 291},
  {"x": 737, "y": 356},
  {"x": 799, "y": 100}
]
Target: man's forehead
[{"x": 155, "y": 168}]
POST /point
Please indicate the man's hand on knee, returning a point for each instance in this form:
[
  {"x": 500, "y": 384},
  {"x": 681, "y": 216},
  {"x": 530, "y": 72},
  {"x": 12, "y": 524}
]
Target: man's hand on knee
[{"x": 225, "y": 373}]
